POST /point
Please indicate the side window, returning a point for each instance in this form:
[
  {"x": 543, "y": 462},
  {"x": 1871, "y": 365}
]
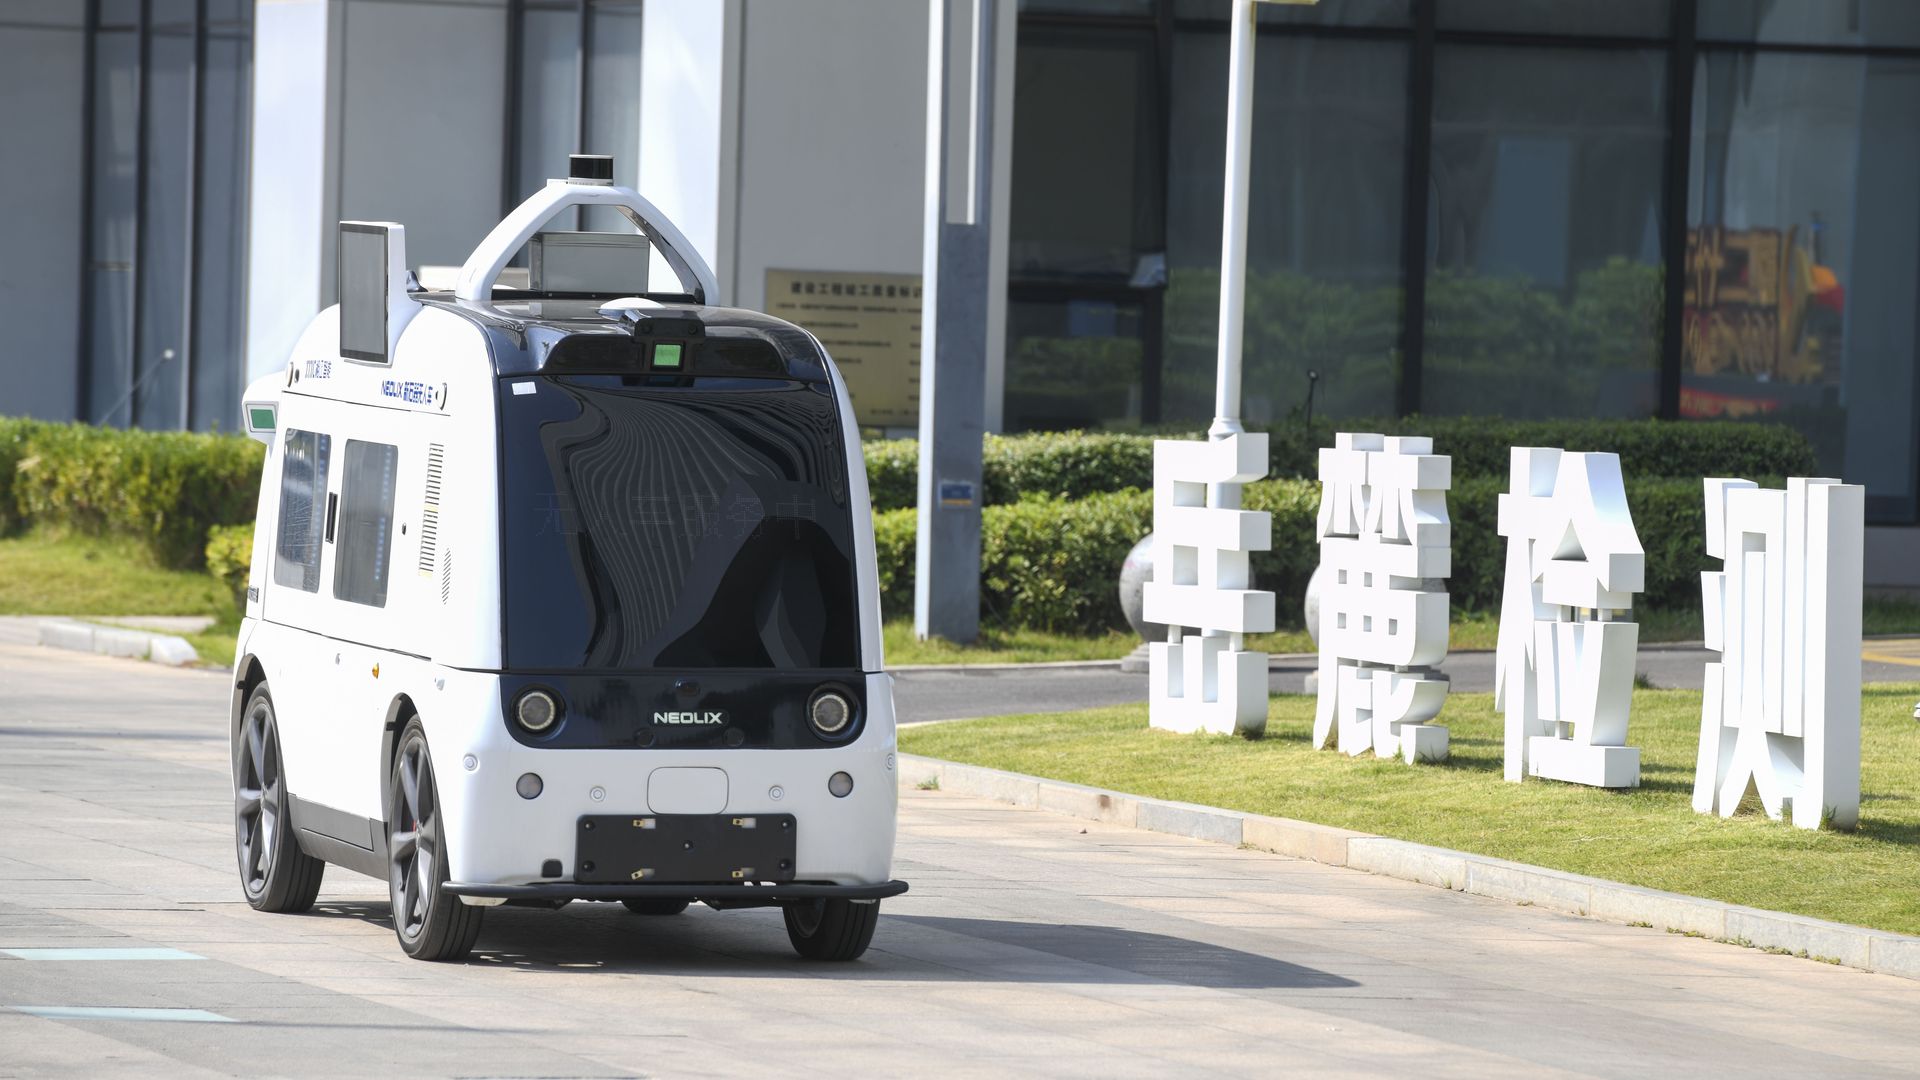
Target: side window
[
  {"x": 303, "y": 501},
  {"x": 365, "y": 533}
]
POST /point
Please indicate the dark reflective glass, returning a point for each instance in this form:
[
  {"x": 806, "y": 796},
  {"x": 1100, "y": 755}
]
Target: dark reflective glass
[
  {"x": 303, "y": 496},
  {"x": 1812, "y": 22},
  {"x": 110, "y": 276},
  {"x": 1086, "y": 154},
  {"x": 1072, "y": 362},
  {"x": 1089, "y": 7},
  {"x": 364, "y": 531},
  {"x": 1623, "y": 18},
  {"x": 1323, "y": 225},
  {"x": 160, "y": 347},
  {"x": 613, "y": 106},
  {"x": 549, "y": 74},
  {"x": 1327, "y": 12},
  {"x": 1803, "y": 255},
  {"x": 218, "y": 376},
  {"x": 1544, "y": 287},
  {"x": 664, "y": 522}
]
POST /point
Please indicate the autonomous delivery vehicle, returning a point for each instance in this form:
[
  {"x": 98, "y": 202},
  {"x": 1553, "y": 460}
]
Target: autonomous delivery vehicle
[{"x": 563, "y": 589}]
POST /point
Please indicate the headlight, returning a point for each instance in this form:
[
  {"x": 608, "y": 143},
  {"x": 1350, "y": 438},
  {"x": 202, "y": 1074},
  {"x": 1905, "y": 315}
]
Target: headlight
[
  {"x": 830, "y": 712},
  {"x": 536, "y": 710}
]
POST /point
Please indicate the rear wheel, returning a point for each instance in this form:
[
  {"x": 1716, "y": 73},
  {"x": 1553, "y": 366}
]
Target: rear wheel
[
  {"x": 655, "y": 907},
  {"x": 430, "y": 924},
  {"x": 831, "y": 929},
  {"x": 275, "y": 874}
]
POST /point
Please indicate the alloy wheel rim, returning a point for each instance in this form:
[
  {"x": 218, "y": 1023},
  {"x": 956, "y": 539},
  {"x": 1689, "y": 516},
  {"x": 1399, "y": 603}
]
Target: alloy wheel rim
[
  {"x": 413, "y": 840},
  {"x": 807, "y": 915},
  {"x": 258, "y": 798}
]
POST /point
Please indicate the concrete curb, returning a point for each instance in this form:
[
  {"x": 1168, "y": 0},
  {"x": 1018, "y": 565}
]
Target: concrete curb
[
  {"x": 1519, "y": 883},
  {"x": 117, "y": 641}
]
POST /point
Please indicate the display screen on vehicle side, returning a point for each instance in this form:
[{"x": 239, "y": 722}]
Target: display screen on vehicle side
[{"x": 675, "y": 523}]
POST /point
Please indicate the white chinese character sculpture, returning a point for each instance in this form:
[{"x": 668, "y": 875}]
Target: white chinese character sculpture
[
  {"x": 1385, "y": 550},
  {"x": 1781, "y": 712},
  {"x": 1564, "y": 670},
  {"x": 1207, "y": 681}
]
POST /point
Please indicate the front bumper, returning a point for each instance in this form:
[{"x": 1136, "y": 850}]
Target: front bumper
[{"x": 728, "y": 895}]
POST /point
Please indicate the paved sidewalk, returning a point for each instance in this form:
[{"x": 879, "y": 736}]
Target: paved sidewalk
[{"x": 1031, "y": 944}]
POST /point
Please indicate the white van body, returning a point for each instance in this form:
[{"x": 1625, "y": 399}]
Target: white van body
[{"x": 420, "y": 601}]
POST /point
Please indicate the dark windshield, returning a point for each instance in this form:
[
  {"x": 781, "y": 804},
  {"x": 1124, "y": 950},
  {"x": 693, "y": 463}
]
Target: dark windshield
[{"x": 665, "y": 522}]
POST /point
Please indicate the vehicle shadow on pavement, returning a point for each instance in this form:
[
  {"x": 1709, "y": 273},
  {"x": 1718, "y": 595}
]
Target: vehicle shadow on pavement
[{"x": 593, "y": 938}]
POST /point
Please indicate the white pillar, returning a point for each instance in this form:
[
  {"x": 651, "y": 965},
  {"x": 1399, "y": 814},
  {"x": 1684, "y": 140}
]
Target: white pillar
[
  {"x": 690, "y": 124},
  {"x": 288, "y": 201},
  {"x": 1233, "y": 239}
]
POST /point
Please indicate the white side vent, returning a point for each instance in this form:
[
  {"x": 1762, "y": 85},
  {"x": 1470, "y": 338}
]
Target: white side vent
[
  {"x": 430, "y": 516},
  {"x": 446, "y": 577}
]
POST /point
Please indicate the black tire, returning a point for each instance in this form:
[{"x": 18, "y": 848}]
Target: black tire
[
  {"x": 656, "y": 907},
  {"x": 831, "y": 929},
  {"x": 430, "y": 924},
  {"x": 275, "y": 874}
]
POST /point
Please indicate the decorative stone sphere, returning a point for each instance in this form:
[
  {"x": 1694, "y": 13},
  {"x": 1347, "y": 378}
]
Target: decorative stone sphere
[
  {"x": 1135, "y": 571},
  {"x": 1311, "y": 609}
]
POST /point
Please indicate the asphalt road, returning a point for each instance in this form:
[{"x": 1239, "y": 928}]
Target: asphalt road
[
  {"x": 1030, "y": 945},
  {"x": 956, "y": 693}
]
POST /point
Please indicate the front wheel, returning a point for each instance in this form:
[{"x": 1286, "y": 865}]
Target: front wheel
[
  {"x": 275, "y": 874},
  {"x": 430, "y": 924},
  {"x": 831, "y": 929}
]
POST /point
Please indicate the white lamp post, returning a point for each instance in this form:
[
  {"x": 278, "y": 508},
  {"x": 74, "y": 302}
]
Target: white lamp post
[
  {"x": 1233, "y": 231},
  {"x": 1202, "y": 580}
]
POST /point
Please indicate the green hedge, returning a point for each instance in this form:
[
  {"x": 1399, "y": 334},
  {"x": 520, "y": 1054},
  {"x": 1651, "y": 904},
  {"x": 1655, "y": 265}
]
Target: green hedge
[
  {"x": 1054, "y": 564},
  {"x": 1076, "y": 464},
  {"x": 15, "y": 434},
  {"x": 1060, "y": 465},
  {"x": 164, "y": 489},
  {"x": 229, "y": 556}
]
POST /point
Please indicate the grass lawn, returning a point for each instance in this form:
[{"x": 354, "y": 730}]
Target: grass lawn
[
  {"x": 1649, "y": 836},
  {"x": 44, "y": 575}
]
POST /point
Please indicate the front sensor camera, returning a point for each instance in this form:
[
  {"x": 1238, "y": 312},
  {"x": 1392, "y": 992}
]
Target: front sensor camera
[
  {"x": 536, "y": 711},
  {"x": 830, "y": 712}
]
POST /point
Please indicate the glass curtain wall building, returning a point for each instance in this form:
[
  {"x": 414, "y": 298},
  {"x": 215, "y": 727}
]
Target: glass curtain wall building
[
  {"x": 126, "y": 159},
  {"x": 1519, "y": 208}
]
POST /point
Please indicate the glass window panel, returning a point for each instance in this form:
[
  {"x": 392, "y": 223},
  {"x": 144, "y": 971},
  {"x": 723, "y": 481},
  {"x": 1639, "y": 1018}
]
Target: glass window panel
[
  {"x": 110, "y": 264},
  {"x": 120, "y": 13},
  {"x": 1324, "y": 226},
  {"x": 1545, "y": 266},
  {"x": 1803, "y": 256},
  {"x": 1624, "y": 18},
  {"x": 1072, "y": 363},
  {"x": 70, "y": 14},
  {"x": 365, "y": 528},
  {"x": 303, "y": 499},
  {"x": 549, "y": 73},
  {"x": 221, "y": 237},
  {"x": 1086, "y": 197},
  {"x": 1327, "y": 12},
  {"x": 1812, "y": 22},
  {"x": 1089, "y": 7},
  {"x": 44, "y": 64},
  {"x": 160, "y": 360},
  {"x": 613, "y": 102}
]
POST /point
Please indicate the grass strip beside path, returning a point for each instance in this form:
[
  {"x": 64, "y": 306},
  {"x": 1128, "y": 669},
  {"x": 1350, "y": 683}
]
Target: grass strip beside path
[{"x": 1649, "y": 836}]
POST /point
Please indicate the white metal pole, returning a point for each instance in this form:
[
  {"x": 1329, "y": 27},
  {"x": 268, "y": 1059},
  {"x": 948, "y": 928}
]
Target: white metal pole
[{"x": 1233, "y": 241}]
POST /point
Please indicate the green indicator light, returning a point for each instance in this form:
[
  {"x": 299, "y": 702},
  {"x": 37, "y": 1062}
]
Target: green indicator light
[
  {"x": 260, "y": 419},
  {"x": 666, "y": 354}
]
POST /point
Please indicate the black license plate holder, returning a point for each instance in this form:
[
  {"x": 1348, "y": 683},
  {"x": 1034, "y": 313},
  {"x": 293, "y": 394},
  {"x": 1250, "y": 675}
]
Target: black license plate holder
[{"x": 649, "y": 849}]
